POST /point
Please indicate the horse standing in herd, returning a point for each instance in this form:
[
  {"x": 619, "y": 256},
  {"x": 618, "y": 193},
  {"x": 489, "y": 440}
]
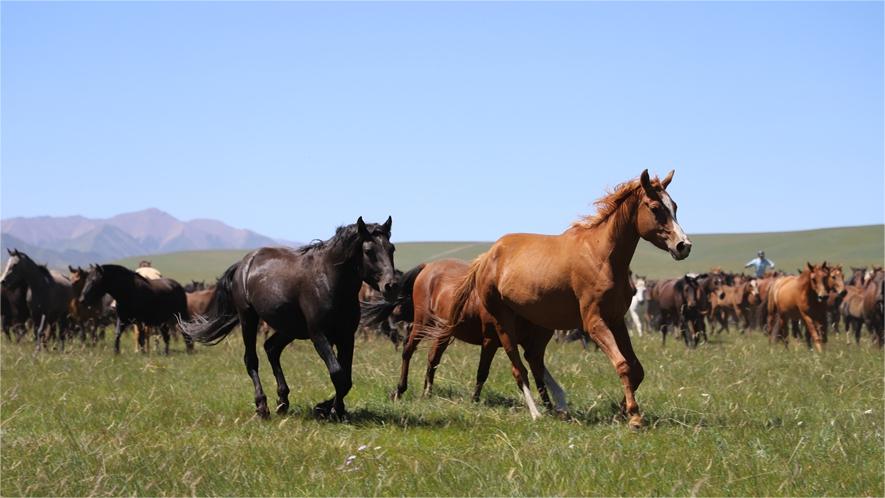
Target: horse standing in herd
[
  {"x": 140, "y": 301},
  {"x": 306, "y": 293},
  {"x": 48, "y": 296}
]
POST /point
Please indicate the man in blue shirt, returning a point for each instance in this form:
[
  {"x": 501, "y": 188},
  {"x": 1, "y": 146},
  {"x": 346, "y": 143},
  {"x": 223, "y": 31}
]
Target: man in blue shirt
[{"x": 760, "y": 264}]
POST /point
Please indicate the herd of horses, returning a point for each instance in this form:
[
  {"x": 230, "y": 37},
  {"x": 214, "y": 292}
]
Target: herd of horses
[{"x": 522, "y": 292}]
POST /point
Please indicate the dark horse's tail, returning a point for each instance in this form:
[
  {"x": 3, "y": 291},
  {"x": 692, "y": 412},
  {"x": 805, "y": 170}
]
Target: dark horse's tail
[
  {"x": 222, "y": 315},
  {"x": 374, "y": 313}
]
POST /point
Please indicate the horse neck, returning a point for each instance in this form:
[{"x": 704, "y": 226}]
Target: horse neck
[
  {"x": 37, "y": 281},
  {"x": 345, "y": 264},
  {"x": 615, "y": 238},
  {"x": 118, "y": 283}
]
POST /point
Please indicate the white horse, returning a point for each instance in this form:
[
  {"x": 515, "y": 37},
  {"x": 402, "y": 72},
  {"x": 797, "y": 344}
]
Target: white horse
[{"x": 636, "y": 302}]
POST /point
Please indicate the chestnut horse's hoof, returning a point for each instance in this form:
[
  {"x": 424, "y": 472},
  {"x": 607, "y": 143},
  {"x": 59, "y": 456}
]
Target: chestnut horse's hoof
[{"x": 635, "y": 422}]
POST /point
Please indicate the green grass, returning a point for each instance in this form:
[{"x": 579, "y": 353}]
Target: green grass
[
  {"x": 734, "y": 417},
  {"x": 858, "y": 246}
]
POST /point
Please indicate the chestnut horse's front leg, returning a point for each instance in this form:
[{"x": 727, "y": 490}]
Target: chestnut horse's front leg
[{"x": 613, "y": 339}]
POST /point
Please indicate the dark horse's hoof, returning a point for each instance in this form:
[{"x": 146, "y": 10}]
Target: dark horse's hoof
[
  {"x": 282, "y": 408},
  {"x": 263, "y": 413},
  {"x": 327, "y": 410}
]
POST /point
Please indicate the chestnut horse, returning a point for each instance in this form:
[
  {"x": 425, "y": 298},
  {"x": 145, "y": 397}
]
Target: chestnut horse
[
  {"x": 533, "y": 284},
  {"x": 799, "y": 297},
  {"x": 427, "y": 292}
]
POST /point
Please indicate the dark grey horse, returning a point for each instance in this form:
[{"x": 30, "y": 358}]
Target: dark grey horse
[{"x": 306, "y": 293}]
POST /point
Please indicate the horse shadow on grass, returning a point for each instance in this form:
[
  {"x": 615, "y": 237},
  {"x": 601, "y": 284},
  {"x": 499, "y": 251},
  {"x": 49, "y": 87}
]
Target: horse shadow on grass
[{"x": 365, "y": 416}]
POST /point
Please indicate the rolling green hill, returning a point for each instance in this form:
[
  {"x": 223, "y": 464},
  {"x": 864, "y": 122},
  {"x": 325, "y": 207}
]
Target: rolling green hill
[{"x": 858, "y": 246}]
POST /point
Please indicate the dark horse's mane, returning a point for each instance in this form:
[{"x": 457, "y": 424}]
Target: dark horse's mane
[
  {"x": 44, "y": 270},
  {"x": 345, "y": 235},
  {"x": 345, "y": 240}
]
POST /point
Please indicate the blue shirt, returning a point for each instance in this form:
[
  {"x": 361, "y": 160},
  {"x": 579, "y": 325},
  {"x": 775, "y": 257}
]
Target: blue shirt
[{"x": 761, "y": 264}]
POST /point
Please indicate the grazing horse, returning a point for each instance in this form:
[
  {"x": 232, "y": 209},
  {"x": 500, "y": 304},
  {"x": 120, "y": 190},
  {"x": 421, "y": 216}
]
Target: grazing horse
[
  {"x": 305, "y": 293},
  {"x": 677, "y": 302},
  {"x": 48, "y": 294},
  {"x": 140, "y": 301},
  {"x": 637, "y": 301},
  {"x": 799, "y": 297},
  {"x": 873, "y": 306},
  {"x": 533, "y": 284}
]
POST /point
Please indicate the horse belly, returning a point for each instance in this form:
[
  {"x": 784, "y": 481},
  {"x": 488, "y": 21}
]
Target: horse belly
[{"x": 554, "y": 311}]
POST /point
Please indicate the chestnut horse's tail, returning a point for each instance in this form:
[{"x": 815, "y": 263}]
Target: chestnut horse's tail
[
  {"x": 465, "y": 289},
  {"x": 222, "y": 316},
  {"x": 374, "y": 313}
]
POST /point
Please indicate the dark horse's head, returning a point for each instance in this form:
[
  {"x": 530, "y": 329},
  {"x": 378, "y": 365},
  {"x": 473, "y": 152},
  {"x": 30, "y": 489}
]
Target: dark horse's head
[
  {"x": 376, "y": 266},
  {"x": 94, "y": 287},
  {"x": 14, "y": 272}
]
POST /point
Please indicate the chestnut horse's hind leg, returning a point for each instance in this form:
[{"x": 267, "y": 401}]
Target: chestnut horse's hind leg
[
  {"x": 249, "y": 326},
  {"x": 433, "y": 358},
  {"x": 408, "y": 350},
  {"x": 614, "y": 341},
  {"x": 486, "y": 355}
]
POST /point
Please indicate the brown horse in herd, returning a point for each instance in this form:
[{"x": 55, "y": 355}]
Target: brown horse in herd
[
  {"x": 803, "y": 297},
  {"x": 533, "y": 284}
]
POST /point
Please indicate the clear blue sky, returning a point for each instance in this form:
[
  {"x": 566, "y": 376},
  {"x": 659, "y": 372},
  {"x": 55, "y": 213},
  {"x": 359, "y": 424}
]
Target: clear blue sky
[{"x": 464, "y": 121}]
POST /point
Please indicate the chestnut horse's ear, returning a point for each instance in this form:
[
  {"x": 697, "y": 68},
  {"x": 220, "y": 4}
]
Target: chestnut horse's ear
[
  {"x": 667, "y": 179},
  {"x": 824, "y": 265},
  {"x": 810, "y": 266},
  {"x": 387, "y": 225},
  {"x": 361, "y": 228},
  {"x": 71, "y": 269},
  {"x": 646, "y": 185}
]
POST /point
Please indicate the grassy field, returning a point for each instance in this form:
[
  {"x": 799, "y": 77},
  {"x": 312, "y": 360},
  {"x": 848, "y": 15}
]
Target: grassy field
[
  {"x": 859, "y": 246},
  {"x": 734, "y": 417}
]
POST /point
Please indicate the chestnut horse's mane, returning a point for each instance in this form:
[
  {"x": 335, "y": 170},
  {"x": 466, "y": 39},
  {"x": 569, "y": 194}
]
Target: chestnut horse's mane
[{"x": 611, "y": 203}]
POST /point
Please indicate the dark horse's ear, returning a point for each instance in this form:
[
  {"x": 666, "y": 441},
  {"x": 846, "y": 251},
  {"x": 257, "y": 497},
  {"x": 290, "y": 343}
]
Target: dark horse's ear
[
  {"x": 667, "y": 179},
  {"x": 98, "y": 268},
  {"x": 362, "y": 230},
  {"x": 387, "y": 224},
  {"x": 646, "y": 185},
  {"x": 10, "y": 251},
  {"x": 71, "y": 269}
]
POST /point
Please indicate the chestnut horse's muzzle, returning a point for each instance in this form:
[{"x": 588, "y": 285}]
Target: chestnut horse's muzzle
[{"x": 682, "y": 250}]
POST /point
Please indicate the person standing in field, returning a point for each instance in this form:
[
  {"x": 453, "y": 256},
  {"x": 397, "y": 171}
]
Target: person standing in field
[{"x": 760, "y": 263}]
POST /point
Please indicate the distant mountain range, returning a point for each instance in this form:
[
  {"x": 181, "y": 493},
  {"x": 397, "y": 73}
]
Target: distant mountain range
[{"x": 77, "y": 240}]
